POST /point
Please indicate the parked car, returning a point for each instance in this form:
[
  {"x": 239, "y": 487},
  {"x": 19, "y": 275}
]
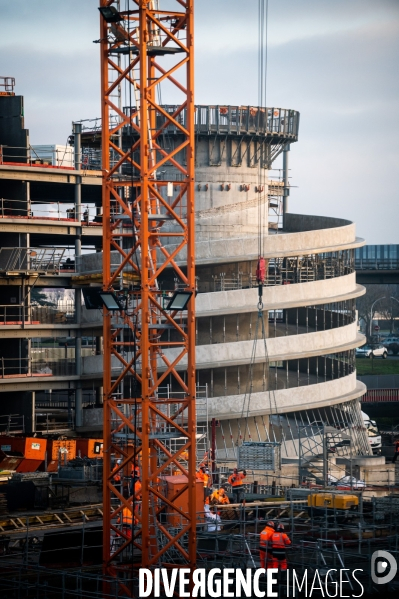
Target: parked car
[
  {"x": 391, "y": 339},
  {"x": 368, "y": 351}
]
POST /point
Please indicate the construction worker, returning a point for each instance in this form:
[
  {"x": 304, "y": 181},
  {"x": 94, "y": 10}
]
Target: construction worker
[
  {"x": 127, "y": 521},
  {"x": 204, "y": 460},
  {"x": 134, "y": 478},
  {"x": 137, "y": 489},
  {"x": 266, "y": 559},
  {"x": 212, "y": 518},
  {"x": 201, "y": 474},
  {"x": 396, "y": 454},
  {"x": 219, "y": 497},
  {"x": 277, "y": 544},
  {"x": 235, "y": 480},
  {"x": 184, "y": 455}
]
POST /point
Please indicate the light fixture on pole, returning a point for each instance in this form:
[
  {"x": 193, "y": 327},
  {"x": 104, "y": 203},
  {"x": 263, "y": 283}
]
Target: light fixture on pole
[
  {"x": 110, "y": 301},
  {"x": 371, "y": 313},
  {"x": 110, "y": 14},
  {"x": 179, "y": 300}
]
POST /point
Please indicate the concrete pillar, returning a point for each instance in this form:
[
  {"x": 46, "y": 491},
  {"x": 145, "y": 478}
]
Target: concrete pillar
[
  {"x": 285, "y": 181},
  {"x": 99, "y": 397},
  {"x": 78, "y": 359},
  {"x": 77, "y": 131},
  {"x": 78, "y": 405}
]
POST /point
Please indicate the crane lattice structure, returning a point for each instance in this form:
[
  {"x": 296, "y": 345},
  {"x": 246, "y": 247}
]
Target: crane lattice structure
[{"x": 142, "y": 47}]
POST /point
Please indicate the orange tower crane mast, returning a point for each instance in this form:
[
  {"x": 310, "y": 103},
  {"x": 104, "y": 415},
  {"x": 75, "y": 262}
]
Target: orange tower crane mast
[{"x": 148, "y": 223}]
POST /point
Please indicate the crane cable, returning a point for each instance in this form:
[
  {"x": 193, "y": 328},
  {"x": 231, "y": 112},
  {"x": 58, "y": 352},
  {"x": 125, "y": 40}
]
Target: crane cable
[{"x": 263, "y": 6}]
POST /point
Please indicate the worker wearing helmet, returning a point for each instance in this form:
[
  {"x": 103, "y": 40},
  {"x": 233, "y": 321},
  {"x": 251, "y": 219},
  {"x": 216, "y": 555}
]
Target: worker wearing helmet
[
  {"x": 203, "y": 476},
  {"x": 278, "y": 543},
  {"x": 219, "y": 497},
  {"x": 135, "y": 480},
  {"x": 266, "y": 560},
  {"x": 235, "y": 480}
]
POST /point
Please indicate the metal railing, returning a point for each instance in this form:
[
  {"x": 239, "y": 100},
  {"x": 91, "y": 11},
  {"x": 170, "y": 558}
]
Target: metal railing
[
  {"x": 219, "y": 119},
  {"x": 7, "y": 85},
  {"x": 12, "y": 423},
  {"x": 61, "y": 314},
  {"x": 49, "y": 422},
  {"x": 380, "y": 395},
  {"x": 59, "y": 211},
  {"x": 42, "y": 260},
  {"x": 28, "y": 155},
  {"x": 11, "y": 314},
  {"x": 285, "y": 271},
  {"x": 28, "y": 367},
  {"x": 242, "y": 120}
]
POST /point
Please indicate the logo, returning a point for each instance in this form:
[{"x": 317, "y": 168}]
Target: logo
[{"x": 383, "y": 567}]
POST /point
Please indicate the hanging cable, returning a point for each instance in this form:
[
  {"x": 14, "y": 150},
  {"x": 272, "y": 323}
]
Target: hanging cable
[{"x": 263, "y": 7}]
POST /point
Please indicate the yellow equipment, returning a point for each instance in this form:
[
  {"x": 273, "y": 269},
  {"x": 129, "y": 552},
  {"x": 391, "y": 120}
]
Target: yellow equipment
[{"x": 319, "y": 503}]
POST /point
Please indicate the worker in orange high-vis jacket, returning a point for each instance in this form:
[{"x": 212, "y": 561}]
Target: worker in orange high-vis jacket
[
  {"x": 278, "y": 543},
  {"x": 137, "y": 489},
  {"x": 126, "y": 521},
  {"x": 219, "y": 497},
  {"x": 202, "y": 475},
  {"x": 266, "y": 560},
  {"x": 235, "y": 480}
]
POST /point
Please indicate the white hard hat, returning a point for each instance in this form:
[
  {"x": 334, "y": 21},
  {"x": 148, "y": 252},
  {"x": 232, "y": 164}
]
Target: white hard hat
[{"x": 119, "y": 462}]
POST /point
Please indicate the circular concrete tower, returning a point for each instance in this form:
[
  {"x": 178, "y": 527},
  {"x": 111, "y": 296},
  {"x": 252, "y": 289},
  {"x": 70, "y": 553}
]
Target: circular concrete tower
[{"x": 281, "y": 384}]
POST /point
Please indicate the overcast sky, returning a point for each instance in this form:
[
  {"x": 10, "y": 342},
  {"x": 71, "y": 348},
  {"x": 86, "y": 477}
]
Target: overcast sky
[{"x": 336, "y": 61}]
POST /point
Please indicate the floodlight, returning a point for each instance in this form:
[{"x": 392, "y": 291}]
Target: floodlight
[
  {"x": 110, "y": 14},
  {"x": 110, "y": 301},
  {"x": 179, "y": 300},
  {"x": 92, "y": 298}
]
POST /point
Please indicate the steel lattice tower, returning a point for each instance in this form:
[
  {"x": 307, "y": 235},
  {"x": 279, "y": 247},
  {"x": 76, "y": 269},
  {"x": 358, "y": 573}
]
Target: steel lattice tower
[{"x": 140, "y": 48}]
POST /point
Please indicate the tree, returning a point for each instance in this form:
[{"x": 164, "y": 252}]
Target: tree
[
  {"x": 39, "y": 298},
  {"x": 388, "y": 308}
]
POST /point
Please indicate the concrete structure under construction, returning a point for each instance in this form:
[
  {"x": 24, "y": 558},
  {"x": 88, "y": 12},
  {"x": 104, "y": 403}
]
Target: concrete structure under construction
[
  {"x": 274, "y": 385},
  {"x": 280, "y": 384}
]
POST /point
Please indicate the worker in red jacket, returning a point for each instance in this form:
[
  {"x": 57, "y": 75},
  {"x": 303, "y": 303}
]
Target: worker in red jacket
[
  {"x": 266, "y": 560},
  {"x": 278, "y": 543}
]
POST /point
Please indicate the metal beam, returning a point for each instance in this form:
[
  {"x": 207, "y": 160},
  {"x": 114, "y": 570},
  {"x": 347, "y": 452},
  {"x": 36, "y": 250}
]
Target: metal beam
[{"x": 135, "y": 416}]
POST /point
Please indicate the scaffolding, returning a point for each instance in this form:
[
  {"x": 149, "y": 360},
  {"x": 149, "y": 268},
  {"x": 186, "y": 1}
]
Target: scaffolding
[{"x": 335, "y": 540}]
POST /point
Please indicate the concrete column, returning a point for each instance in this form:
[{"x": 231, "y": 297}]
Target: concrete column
[
  {"x": 78, "y": 359},
  {"x": 77, "y": 131},
  {"x": 285, "y": 181},
  {"x": 78, "y": 405}
]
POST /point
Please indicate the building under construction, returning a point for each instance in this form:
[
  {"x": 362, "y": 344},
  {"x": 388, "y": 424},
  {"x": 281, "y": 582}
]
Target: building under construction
[{"x": 161, "y": 308}]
